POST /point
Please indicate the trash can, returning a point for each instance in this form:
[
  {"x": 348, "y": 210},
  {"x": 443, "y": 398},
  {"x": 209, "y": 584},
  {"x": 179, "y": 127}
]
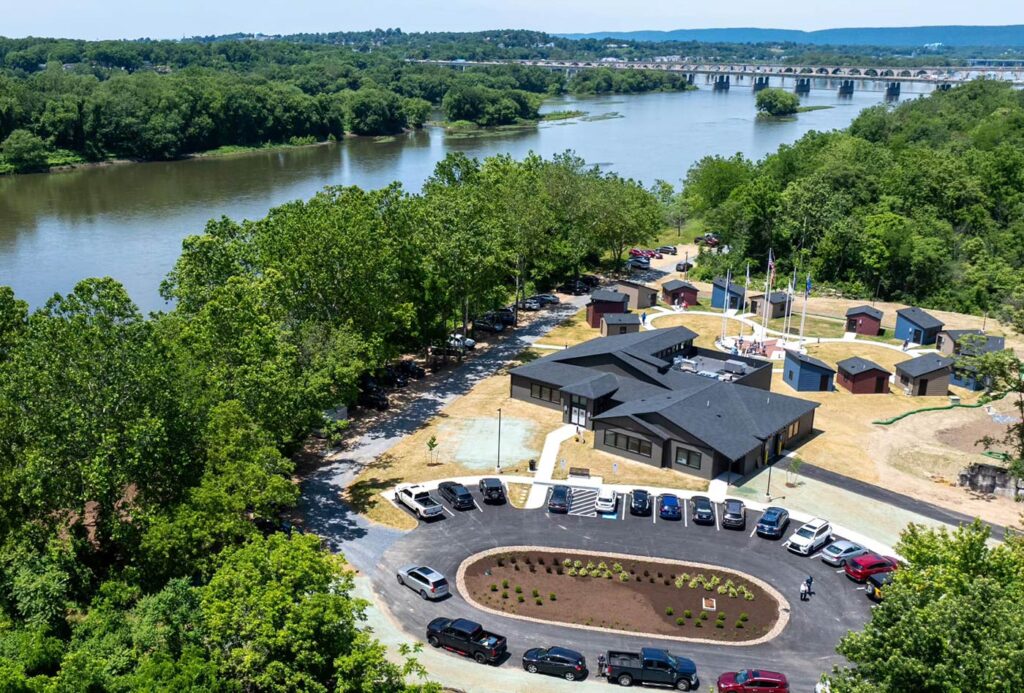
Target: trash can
[{"x": 533, "y": 465}]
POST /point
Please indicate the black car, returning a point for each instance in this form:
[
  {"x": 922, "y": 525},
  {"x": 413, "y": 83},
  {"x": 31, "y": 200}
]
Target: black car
[
  {"x": 773, "y": 522},
  {"x": 411, "y": 369},
  {"x": 492, "y": 490},
  {"x": 703, "y": 510},
  {"x": 877, "y": 583},
  {"x": 560, "y": 500},
  {"x": 574, "y": 288},
  {"x": 684, "y": 266},
  {"x": 505, "y": 316},
  {"x": 641, "y": 502},
  {"x": 734, "y": 515},
  {"x": 590, "y": 280},
  {"x": 456, "y": 494},
  {"x": 557, "y": 661},
  {"x": 389, "y": 376},
  {"x": 373, "y": 397},
  {"x": 489, "y": 323}
]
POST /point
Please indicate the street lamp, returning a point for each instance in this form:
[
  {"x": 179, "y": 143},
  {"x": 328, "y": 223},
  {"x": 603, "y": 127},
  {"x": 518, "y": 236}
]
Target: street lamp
[
  {"x": 499, "y": 440},
  {"x": 768, "y": 491}
]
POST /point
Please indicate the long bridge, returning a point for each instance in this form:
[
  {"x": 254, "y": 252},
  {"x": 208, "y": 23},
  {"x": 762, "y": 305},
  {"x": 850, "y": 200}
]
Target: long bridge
[{"x": 760, "y": 75}]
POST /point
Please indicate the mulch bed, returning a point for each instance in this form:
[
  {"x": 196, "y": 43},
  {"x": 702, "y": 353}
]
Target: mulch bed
[{"x": 647, "y": 601}]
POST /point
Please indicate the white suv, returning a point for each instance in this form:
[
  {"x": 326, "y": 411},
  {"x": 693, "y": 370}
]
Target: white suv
[
  {"x": 811, "y": 537},
  {"x": 607, "y": 500}
]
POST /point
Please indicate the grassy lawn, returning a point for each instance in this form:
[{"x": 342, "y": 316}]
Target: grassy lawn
[
  {"x": 813, "y": 327},
  {"x": 573, "y": 330},
  {"x": 706, "y": 327},
  {"x": 517, "y": 494},
  {"x": 582, "y": 454},
  {"x": 833, "y": 352},
  {"x": 409, "y": 460}
]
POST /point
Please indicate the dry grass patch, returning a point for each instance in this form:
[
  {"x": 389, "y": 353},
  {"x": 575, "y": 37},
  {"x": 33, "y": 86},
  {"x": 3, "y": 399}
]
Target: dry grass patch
[
  {"x": 409, "y": 461},
  {"x": 813, "y": 327},
  {"x": 571, "y": 331},
  {"x": 706, "y": 327},
  {"x": 834, "y": 352},
  {"x": 517, "y": 494},
  {"x": 582, "y": 454}
]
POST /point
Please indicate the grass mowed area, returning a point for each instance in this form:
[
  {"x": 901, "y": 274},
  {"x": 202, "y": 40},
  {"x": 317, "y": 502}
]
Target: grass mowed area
[
  {"x": 456, "y": 433},
  {"x": 571, "y": 331},
  {"x": 618, "y": 470},
  {"x": 833, "y": 352},
  {"x": 708, "y": 328},
  {"x": 813, "y": 327}
]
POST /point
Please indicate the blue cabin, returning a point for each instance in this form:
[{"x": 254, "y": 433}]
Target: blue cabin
[
  {"x": 916, "y": 326},
  {"x": 967, "y": 377},
  {"x": 807, "y": 374},
  {"x": 736, "y": 294}
]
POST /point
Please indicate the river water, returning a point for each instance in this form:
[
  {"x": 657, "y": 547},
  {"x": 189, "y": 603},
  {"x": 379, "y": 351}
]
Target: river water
[{"x": 128, "y": 221}]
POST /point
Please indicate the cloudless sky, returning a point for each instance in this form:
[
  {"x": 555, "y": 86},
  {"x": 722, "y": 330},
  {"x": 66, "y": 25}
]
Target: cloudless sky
[{"x": 92, "y": 19}]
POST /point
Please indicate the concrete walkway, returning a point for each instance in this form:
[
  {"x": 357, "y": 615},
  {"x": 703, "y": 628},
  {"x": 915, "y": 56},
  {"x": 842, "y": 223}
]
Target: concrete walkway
[{"x": 546, "y": 464}]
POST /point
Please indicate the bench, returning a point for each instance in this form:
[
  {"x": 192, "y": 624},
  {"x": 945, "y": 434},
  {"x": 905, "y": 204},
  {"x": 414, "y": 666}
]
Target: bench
[{"x": 579, "y": 471}]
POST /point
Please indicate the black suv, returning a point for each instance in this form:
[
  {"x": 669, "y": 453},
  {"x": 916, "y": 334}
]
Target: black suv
[
  {"x": 456, "y": 494},
  {"x": 410, "y": 369},
  {"x": 489, "y": 323},
  {"x": 560, "y": 500},
  {"x": 641, "y": 502},
  {"x": 373, "y": 397},
  {"x": 703, "y": 511},
  {"x": 575, "y": 288},
  {"x": 773, "y": 522},
  {"x": 734, "y": 516},
  {"x": 492, "y": 490}
]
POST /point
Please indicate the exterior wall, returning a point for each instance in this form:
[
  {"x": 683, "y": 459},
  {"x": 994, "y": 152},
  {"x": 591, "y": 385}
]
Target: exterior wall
[
  {"x": 864, "y": 324},
  {"x": 638, "y": 297},
  {"x": 967, "y": 380},
  {"x": 607, "y": 329},
  {"x": 937, "y": 385},
  {"x": 718, "y": 298},
  {"x": 598, "y": 308},
  {"x": 944, "y": 344},
  {"x": 906, "y": 330},
  {"x": 567, "y": 410},
  {"x": 520, "y": 389},
  {"x": 863, "y": 383},
  {"x": 687, "y": 295},
  {"x": 775, "y": 310},
  {"x": 804, "y": 377},
  {"x": 625, "y": 426}
]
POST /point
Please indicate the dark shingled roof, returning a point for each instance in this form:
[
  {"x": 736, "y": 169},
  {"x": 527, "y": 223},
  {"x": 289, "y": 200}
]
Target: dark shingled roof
[
  {"x": 856, "y": 365},
  {"x": 923, "y": 365},
  {"x": 734, "y": 288},
  {"x": 621, "y": 318},
  {"x": 773, "y": 297},
  {"x": 920, "y": 318},
  {"x": 677, "y": 284},
  {"x": 989, "y": 344},
  {"x": 609, "y": 296},
  {"x": 634, "y": 285},
  {"x": 595, "y": 386},
  {"x": 864, "y": 310},
  {"x": 809, "y": 360}
]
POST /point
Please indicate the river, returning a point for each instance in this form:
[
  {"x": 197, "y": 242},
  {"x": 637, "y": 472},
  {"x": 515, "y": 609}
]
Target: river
[{"x": 127, "y": 221}]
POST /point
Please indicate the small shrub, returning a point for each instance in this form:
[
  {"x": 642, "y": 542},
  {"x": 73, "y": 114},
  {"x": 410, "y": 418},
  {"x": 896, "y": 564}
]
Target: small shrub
[
  {"x": 703, "y": 616},
  {"x": 504, "y": 583},
  {"x": 668, "y": 611},
  {"x": 617, "y": 567},
  {"x": 602, "y": 566},
  {"x": 567, "y": 563},
  {"x": 552, "y": 597},
  {"x": 739, "y": 624},
  {"x": 659, "y": 573},
  {"x": 679, "y": 583},
  {"x": 521, "y": 599},
  {"x": 687, "y": 613},
  {"x": 536, "y": 593},
  {"x": 519, "y": 590},
  {"x": 608, "y": 575},
  {"x": 504, "y": 595},
  {"x": 583, "y": 572},
  {"x": 646, "y": 574},
  {"x": 526, "y": 560},
  {"x": 540, "y": 560},
  {"x": 667, "y": 582},
  {"x": 494, "y": 588},
  {"x": 516, "y": 567},
  {"x": 639, "y": 579},
  {"x": 744, "y": 616},
  {"x": 572, "y": 572},
  {"x": 538, "y": 602},
  {"x": 577, "y": 564},
  {"x": 512, "y": 560},
  {"x": 623, "y": 577},
  {"x": 590, "y": 566},
  {"x": 501, "y": 562},
  {"x": 680, "y": 621},
  {"x": 721, "y": 616},
  {"x": 719, "y": 624},
  {"x": 696, "y": 624}
]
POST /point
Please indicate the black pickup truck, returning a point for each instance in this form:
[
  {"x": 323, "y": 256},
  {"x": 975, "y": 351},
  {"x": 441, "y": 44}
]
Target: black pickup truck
[
  {"x": 467, "y": 638},
  {"x": 651, "y": 666}
]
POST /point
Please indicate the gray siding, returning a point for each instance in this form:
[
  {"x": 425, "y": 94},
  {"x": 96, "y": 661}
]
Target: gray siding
[
  {"x": 629, "y": 428},
  {"x": 707, "y": 459},
  {"x": 520, "y": 389}
]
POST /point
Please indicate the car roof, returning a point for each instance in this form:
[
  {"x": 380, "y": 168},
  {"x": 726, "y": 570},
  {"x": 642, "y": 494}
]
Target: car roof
[
  {"x": 490, "y": 481},
  {"x": 763, "y": 674},
  {"x": 670, "y": 498},
  {"x": 869, "y": 557},
  {"x": 733, "y": 503},
  {"x": 843, "y": 544},
  {"x": 565, "y": 652},
  {"x": 429, "y": 572},
  {"x": 641, "y": 492},
  {"x": 815, "y": 523}
]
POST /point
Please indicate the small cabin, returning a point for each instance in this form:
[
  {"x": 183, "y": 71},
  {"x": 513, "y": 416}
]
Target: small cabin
[
  {"x": 640, "y": 295},
  {"x": 807, "y": 374},
  {"x": 865, "y": 320},
  {"x": 862, "y": 377},
  {"x": 779, "y": 304},
  {"x": 916, "y": 326},
  {"x": 619, "y": 323},
  {"x": 676, "y": 292},
  {"x": 726, "y": 298},
  {"x": 604, "y": 301},
  {"x": 925, "y": 376},
  {"x": 967, "y": 342}
]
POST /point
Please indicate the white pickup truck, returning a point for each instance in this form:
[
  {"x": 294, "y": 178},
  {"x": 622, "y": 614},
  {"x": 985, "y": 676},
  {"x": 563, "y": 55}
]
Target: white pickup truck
[{"x": 417, "y": 499}]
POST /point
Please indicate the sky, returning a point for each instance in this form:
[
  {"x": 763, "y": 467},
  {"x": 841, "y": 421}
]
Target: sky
[{"x": 96, "y": 19}]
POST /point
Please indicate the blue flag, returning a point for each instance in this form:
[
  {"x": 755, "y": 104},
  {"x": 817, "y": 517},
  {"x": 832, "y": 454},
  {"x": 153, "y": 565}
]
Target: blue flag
[{"x": 807, "y": 291}]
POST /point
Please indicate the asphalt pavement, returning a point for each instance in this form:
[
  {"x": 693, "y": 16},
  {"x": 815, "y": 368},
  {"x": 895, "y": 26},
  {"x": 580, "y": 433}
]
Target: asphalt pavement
[{"x": 803, "y": 650}]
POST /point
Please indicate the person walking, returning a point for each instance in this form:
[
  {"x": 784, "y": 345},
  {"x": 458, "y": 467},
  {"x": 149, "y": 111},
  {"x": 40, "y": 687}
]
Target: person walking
[
  {"x": 803, "y": 591},
  {"x": 810, "y": 584}
]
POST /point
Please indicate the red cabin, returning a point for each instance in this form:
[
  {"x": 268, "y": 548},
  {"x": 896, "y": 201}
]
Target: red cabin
[
  {"x": 864, "y": 320},
  {"x": 862, "y": 377},
  {"x": 605, "y": 301},
  {"x": 678, "y": 292}
]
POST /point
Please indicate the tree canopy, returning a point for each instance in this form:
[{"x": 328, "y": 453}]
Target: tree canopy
[{"x": 777, "y": 102}]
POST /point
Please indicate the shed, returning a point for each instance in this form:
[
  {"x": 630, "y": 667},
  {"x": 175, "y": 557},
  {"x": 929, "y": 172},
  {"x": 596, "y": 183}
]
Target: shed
[
  {"x": 605, "y": 301},
  {"x": 862, "y": 377},
  {"x": 967, "y": 342},
  {"x": 640, "y": 295},
  {"x": 916, "y": 326},
  {"x": 780, "y": 304},
  {"x": 864, "y": 320},
  {"x": 736, "y": 292},
  {"x": 925, "y": 376},
  {"x": 677, "y": 292},
  {"x": 806, "y": 373},
  {"x": 619, "y": 323}
]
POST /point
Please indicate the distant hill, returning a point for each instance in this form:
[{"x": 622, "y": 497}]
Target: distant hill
[{"x": 1011, "y": 35}]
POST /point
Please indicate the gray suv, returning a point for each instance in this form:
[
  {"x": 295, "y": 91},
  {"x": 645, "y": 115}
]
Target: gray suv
[
  {"x": 734, "y": 516},
  {"x": 429, "y": 583}
]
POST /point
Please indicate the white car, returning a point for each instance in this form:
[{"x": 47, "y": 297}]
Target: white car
[
  {"x": 607, "y": 500},
  {"x": 811, "y": 537},
  {"x": 458, "y": 341}
]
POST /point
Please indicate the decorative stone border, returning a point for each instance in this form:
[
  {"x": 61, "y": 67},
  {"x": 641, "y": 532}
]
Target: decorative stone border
[{"x": 780, "y": 624}]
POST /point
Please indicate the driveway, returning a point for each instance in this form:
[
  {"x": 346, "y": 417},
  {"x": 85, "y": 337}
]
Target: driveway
[{"x": 804, "y": 649}]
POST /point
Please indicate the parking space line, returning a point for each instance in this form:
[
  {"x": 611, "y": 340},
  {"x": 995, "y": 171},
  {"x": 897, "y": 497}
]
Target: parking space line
[
  {"x": 717, "y": 526},
  {"x": 817, "y": 555},
  {"x": 445, "y": 508},
  {"x": 477, "y": 506},
  {"x": 623, "y": 508},
  {"x": 686, "y": 515},
  {"x": 862, "y": 587},
  {"x": 654, "y": 515},
  {"x": 841, "y": 570},
  {"x": 753, "y": 531}
]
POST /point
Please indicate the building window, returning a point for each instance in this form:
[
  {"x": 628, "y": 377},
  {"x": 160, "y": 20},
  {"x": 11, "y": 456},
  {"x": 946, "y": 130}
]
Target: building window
[
  {"x": 793, "y": 429},
  {"x": 688, "y": 458},
  {"x": 790, "y": 376},
  {"x": 548, "y": 394},
  {"x": 621, "y": 441}
]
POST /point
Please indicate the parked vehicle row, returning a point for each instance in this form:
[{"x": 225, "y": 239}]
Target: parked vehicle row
[{"x": 418, "y": 499}]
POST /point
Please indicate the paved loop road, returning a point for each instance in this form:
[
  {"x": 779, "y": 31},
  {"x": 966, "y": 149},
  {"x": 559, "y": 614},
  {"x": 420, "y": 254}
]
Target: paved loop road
[{"x": 803, "y": 650}]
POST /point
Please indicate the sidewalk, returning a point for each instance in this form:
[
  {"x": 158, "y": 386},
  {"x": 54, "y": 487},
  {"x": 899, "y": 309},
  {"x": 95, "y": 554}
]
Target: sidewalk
[{"x": 546, "y": 464}]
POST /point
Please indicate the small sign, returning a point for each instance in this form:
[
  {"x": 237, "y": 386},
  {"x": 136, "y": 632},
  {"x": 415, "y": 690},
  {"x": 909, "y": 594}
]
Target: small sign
[
  {"x": 561, "y": 463},
  {"x": 709, "y": 604},
  {"x": 615, "y": 468}
]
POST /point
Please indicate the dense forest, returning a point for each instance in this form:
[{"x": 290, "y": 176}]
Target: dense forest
[
  {"x": 144, "y": 462},
  {"x": 921, "y": 203}
]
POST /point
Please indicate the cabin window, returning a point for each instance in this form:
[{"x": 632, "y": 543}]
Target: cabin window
[
  {"x": 548, "y": 394},
  {"x": 688, "y": 458},
  {"x": 621, "y": 441}
]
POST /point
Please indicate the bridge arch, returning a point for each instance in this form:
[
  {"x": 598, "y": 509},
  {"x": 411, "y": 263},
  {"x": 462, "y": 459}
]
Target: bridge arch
[
  {"x": 887, "y": 73},
  {"x": 837, "y": 71},
  {"x": 904, "y": 73},
  {"x": 853, "y": 71},
  {"x": 871, "y": 72},
  {"x": 806, "y": 71},
  {"x": 787, "y": 70},
  {"x": 822, "y": 71}
]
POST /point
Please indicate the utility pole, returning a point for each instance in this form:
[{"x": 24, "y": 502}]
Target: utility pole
[{"x": 499, "y": 440}]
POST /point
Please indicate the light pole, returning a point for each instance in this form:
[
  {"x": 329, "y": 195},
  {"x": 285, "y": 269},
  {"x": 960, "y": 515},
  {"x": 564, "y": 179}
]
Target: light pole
[
  {"x": 499, "y": 440},
  {"x": 768, "y": 491}
]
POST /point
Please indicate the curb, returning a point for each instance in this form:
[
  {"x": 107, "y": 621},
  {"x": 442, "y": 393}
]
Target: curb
[{"x": 780, "y": 624}]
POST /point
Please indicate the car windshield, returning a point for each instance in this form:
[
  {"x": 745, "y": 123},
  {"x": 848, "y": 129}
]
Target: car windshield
[
  {"x": 702, "y": 505},
  {"x": 742, "y": 676},
  {"x": 671, "y": 502},
  {"x": 673, "y": 662},
  {"x": 805, "y": 532}
]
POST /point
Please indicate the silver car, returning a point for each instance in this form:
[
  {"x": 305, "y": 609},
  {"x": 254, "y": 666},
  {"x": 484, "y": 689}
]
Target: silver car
[
  {"x": 839, "y": 552},
  {"x": 429, "y": 583}
]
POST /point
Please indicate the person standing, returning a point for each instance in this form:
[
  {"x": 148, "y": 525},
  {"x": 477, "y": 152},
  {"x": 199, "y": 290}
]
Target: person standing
[{"x": 803, "y": 591}]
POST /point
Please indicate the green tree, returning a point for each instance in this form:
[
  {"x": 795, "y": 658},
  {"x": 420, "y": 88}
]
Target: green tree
[
  {"x": 777, "y": 102},
  {"x": 376, "y": 112},
  {"x": 25, "y": 151},
  {"x": 1002, "y": 372}
]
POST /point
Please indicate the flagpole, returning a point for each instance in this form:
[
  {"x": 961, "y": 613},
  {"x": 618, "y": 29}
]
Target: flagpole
[
  {"x": 803, "y": 317},
  {"x": 725, "y": 306},
  {"x": 764, "y": 302},
  {"x": 746, "y": 292}
]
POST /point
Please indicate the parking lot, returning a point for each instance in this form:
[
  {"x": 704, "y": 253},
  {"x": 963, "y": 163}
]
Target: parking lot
[{"x": 804, "y": 649}]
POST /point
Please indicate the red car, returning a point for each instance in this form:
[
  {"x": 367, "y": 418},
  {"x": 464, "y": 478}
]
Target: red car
[
  {"x": 752, "y": 681},
  {"x": 861, "y": 567},
  {"x": 636, "y": 252},
  {"x": 655, "y": 254}
]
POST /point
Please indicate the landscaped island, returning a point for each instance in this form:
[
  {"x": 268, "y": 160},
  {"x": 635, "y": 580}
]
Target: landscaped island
[{"x": 671, "y": 598}]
